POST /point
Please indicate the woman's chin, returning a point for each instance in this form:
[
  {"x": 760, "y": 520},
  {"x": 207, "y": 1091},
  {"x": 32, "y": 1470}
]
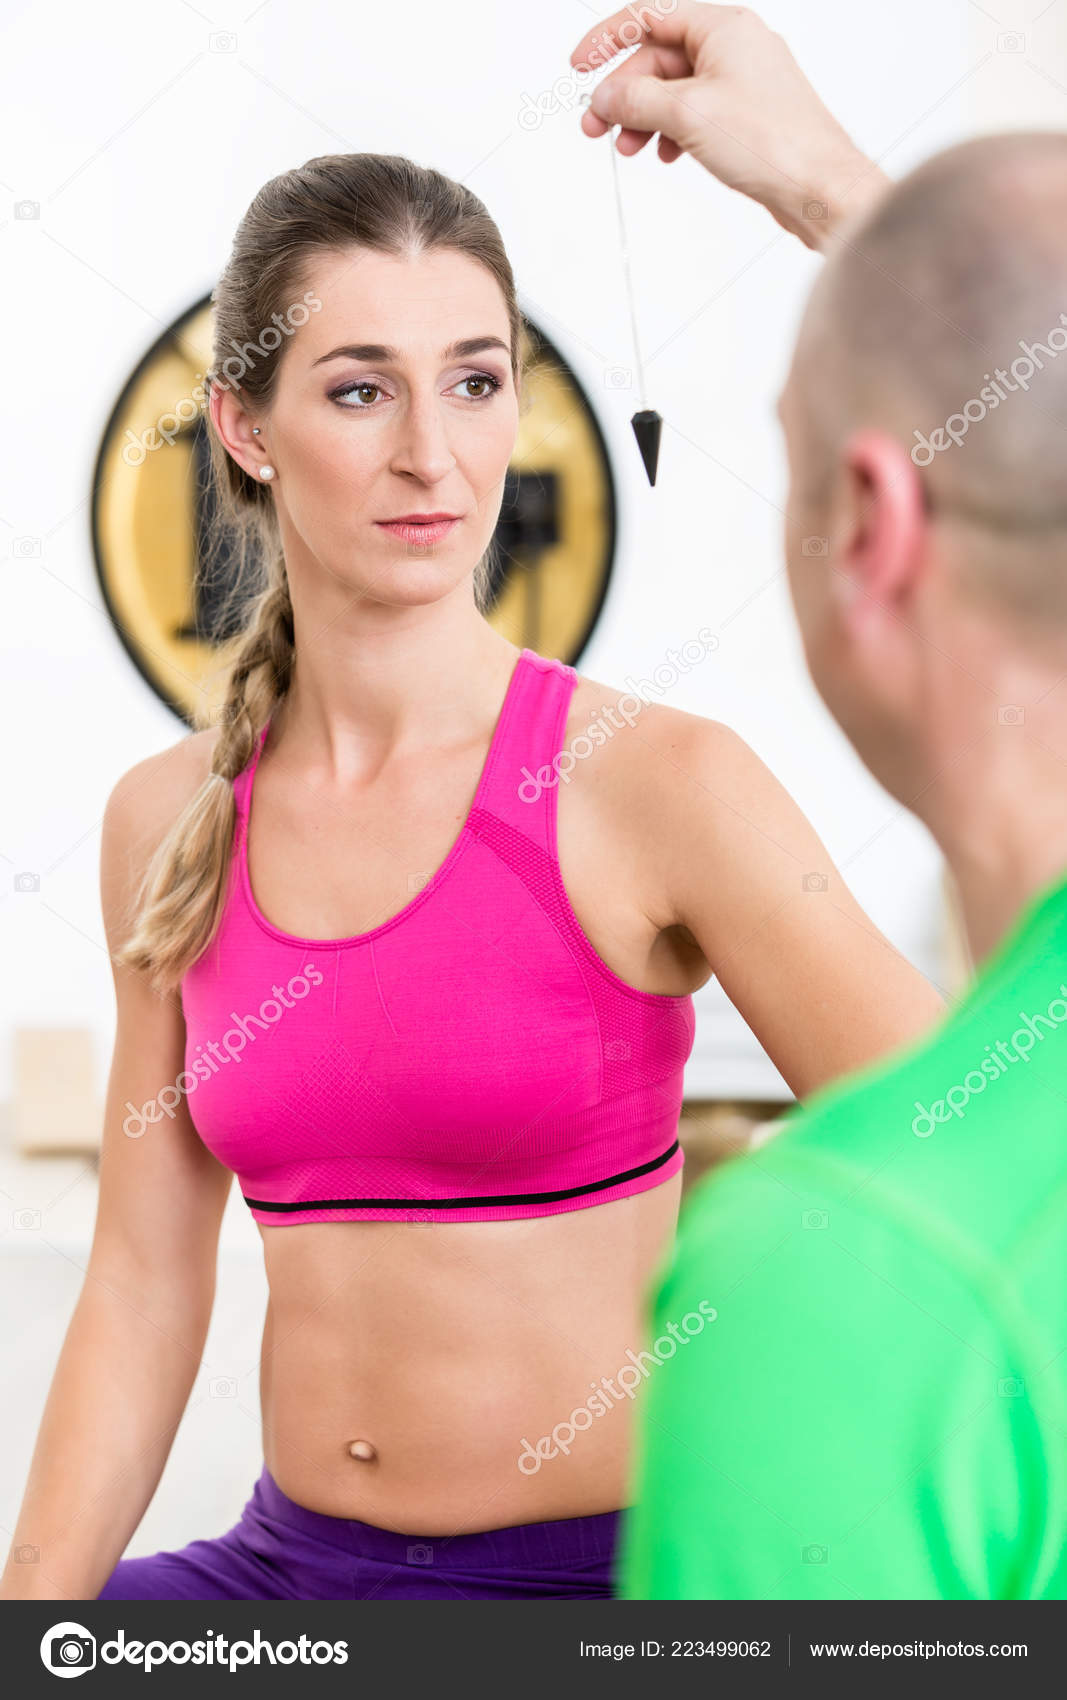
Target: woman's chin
[{"x": 410, "y": 582}]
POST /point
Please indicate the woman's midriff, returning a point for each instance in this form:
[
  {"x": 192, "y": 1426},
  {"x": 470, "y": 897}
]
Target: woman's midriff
[{"x": 453, "y": 1350}]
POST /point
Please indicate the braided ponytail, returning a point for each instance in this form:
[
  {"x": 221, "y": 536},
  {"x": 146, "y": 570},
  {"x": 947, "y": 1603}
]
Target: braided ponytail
[{"x": 183, "y": 891}]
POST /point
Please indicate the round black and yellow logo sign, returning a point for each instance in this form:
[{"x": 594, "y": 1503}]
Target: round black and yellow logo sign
[{"x": 553, "y": 547}]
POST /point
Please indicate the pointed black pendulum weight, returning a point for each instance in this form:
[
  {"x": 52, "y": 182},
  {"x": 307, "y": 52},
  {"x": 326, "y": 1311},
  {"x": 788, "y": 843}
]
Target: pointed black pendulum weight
[{"x": 647, "y": 423}]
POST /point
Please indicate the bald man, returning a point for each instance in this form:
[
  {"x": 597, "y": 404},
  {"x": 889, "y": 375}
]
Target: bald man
[{"x": 857, "y": 1370}]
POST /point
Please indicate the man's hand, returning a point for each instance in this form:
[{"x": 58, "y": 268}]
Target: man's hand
[{"x": 716, "y": 83}]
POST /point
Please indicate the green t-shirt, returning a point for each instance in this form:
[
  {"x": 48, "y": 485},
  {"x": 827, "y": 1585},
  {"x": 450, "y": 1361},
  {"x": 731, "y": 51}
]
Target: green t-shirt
[{"x": 878, "y": 1407}]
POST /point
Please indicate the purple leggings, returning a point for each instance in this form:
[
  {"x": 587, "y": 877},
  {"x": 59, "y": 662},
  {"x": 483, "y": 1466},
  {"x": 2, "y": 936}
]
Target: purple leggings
[{"x": 281, "y": 1551}]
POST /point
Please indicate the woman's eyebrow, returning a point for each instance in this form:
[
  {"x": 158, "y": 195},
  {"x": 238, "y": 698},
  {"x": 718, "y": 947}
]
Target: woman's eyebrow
[{"x": 378, "y": 350}]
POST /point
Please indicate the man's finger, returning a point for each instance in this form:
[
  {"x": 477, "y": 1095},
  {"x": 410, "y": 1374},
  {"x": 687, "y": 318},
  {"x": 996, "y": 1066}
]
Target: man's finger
[
  {"x": 592, "y": 125},
  {"x": 647, "y": 61},
  {"x": 636, "y": 103},
  {"x": 632, "y": 141},
  {"x": 623, "y": 30},
  {"x": 653, "y": 59},
  {"x": 668, "y": 151}
]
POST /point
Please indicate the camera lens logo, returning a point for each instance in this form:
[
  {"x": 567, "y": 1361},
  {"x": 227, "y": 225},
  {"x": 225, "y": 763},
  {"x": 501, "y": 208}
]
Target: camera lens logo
[{"x": 68, "y": 1649}]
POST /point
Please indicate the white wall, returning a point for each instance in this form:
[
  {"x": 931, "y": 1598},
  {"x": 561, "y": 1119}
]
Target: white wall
[{"x": 143, "y": 146}]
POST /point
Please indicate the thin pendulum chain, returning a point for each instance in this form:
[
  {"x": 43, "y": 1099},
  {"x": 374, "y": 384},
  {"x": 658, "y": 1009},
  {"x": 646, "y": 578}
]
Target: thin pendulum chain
[
  {"x": 626, "y": 265},
  {"x": 647, "y": 423}
]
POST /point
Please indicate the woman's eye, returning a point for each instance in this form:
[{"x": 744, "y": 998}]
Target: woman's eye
[
  {"x": 358, "y": 390},
  {"x": 486, "y": 378}
]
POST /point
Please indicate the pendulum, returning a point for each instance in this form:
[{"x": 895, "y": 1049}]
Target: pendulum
[{"x": 647, "y": 423}]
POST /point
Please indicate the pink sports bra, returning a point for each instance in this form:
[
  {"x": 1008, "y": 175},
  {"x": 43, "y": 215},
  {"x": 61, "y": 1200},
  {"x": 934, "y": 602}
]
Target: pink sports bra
[{"x": 471, "y": 1059}]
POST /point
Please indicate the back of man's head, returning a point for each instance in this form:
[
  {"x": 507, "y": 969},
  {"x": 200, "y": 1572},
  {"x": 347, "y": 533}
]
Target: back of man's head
[{"x": 941, "y": 318}]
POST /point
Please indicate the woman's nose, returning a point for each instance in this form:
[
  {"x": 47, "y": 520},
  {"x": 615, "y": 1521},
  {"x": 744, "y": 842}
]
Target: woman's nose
[{"x": 423, "y": 448}]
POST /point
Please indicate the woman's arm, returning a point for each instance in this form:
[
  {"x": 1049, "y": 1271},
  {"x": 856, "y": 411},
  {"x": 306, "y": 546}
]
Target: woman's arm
[
  {"x": 742, "y": 870},
  {"x": 134, "y": 1343}
]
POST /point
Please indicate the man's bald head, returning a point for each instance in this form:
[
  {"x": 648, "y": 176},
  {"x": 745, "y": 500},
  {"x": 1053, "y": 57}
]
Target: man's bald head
[{"x": 959, "y": 272}]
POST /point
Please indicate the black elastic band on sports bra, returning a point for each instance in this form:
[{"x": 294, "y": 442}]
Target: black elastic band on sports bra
[{"x": 462, "y": 1203}]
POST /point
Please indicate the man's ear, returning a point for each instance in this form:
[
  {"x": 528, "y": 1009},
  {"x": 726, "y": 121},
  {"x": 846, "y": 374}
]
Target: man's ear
[{"x": 882, "y": 520}]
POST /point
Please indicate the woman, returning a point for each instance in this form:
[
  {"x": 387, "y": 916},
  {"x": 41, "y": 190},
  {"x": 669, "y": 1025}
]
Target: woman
[{"x": 433, "y": 1015}]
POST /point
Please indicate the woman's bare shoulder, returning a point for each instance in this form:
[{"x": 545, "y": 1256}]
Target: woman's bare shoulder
[
  {"x": 659, "y": 782},
  {"x": 143, "y": 805},
  {"x": 151, "y": 794},
  {"x": 650, "y": 747}
]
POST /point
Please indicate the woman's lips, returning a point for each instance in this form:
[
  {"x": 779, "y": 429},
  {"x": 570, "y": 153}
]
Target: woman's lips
[{"x": 411, "y": 532}]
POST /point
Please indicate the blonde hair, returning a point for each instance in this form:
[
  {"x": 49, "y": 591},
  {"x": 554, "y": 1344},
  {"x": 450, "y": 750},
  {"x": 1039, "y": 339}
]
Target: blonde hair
[{"x": 330, "y": 204}]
